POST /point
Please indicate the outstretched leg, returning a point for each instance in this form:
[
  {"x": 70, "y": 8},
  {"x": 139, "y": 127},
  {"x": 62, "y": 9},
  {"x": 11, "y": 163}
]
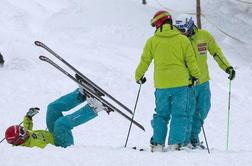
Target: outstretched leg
[
  {"x": 62, "y": 129},
  {"x": 64, "y": 103}
]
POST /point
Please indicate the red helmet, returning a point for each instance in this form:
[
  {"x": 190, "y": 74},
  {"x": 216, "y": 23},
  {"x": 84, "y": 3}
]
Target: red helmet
[
  {"x": 16, "y": 135},
  {"x": 160, "y": 18}
]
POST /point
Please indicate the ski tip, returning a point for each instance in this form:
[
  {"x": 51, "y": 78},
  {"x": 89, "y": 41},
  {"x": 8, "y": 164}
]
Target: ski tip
[
  {"x": 37, "y": 43},
  {"x": 41, "y": 57}
]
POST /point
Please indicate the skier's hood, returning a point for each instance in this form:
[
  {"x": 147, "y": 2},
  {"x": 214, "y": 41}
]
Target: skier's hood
[{"x": 166, "y": 31}]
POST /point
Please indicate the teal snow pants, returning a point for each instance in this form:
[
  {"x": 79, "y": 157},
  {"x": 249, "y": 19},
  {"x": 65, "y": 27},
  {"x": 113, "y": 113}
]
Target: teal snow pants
[
  {"x": 200, "y": 103},
  {"x": 60, "y": 126},
  {"x": 171, "y": 103}
]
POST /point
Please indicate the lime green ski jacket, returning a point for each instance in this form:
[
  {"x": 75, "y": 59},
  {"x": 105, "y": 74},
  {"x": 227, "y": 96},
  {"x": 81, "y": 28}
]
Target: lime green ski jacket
[
  {"x": 174, "y": 59},
  {"x": 37, "y": 138},
  {"x": 202, "y": 41}
]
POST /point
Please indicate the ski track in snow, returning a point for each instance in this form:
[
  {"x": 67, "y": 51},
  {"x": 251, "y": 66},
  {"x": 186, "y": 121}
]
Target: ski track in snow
[{"x": 104, "y": 40}]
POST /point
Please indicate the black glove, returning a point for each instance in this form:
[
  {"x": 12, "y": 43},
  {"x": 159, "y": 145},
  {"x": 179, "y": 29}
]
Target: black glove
[
  {"x": 32, "y": 111},
  {"x": 195, "y": 81},
  {"x": 142, "y": 80},
  {"x": 230, "y": 70}
]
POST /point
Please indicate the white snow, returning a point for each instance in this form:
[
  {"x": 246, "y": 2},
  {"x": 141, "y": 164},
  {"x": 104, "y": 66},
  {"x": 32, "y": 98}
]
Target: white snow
[{"x": 104, "y": 40}]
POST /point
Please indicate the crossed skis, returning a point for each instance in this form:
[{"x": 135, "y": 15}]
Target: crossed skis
[{"x": 90, "y": 87}]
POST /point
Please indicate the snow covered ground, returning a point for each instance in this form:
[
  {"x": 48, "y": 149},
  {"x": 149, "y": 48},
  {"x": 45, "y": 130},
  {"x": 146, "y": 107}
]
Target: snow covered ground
[{"x": 104, "y": 40}]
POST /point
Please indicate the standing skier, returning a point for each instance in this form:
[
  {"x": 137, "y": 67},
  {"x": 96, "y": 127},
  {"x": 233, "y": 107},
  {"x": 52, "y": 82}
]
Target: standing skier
[
  {"x": 202, "y": 41},
  {"x": 174, "y": 62},
  {"x": 59, "y": 126}
]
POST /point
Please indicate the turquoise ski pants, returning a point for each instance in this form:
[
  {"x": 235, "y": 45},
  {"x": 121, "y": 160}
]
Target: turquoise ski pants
[
  {"x": 171, "y": 103},
  {"x": 200, "y": 103},
  {"x": 60, "y": 126}
]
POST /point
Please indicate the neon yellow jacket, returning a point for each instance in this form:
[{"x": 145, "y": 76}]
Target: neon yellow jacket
[
  {"x": 173, "y": 56},
  {"x": 38, "y": 138},
  {"x": 202, "y": 41}
]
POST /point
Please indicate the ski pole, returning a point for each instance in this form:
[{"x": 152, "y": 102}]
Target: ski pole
[
  {"x": 138, "y": 93},
  {"x": 228, "y": 115},
  {"x": 2, "y": 140},
  {"x": 204, "y": 133},
  {"x": 4, "y": 137}
]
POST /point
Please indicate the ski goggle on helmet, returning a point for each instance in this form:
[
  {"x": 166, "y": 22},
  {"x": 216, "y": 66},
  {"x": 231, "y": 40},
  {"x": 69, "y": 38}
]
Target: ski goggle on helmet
[
  {"x": 16, "y": 135},
  {"x": 160, "y": 18},
  {"x": 186, "y": 27}
]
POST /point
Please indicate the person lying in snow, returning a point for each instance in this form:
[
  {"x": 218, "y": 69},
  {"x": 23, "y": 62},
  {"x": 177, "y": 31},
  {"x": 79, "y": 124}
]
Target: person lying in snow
[{"x": 59, "y": 126}]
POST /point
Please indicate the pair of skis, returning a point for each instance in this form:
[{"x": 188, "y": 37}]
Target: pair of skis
[{"x": 90, "y": 87}]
